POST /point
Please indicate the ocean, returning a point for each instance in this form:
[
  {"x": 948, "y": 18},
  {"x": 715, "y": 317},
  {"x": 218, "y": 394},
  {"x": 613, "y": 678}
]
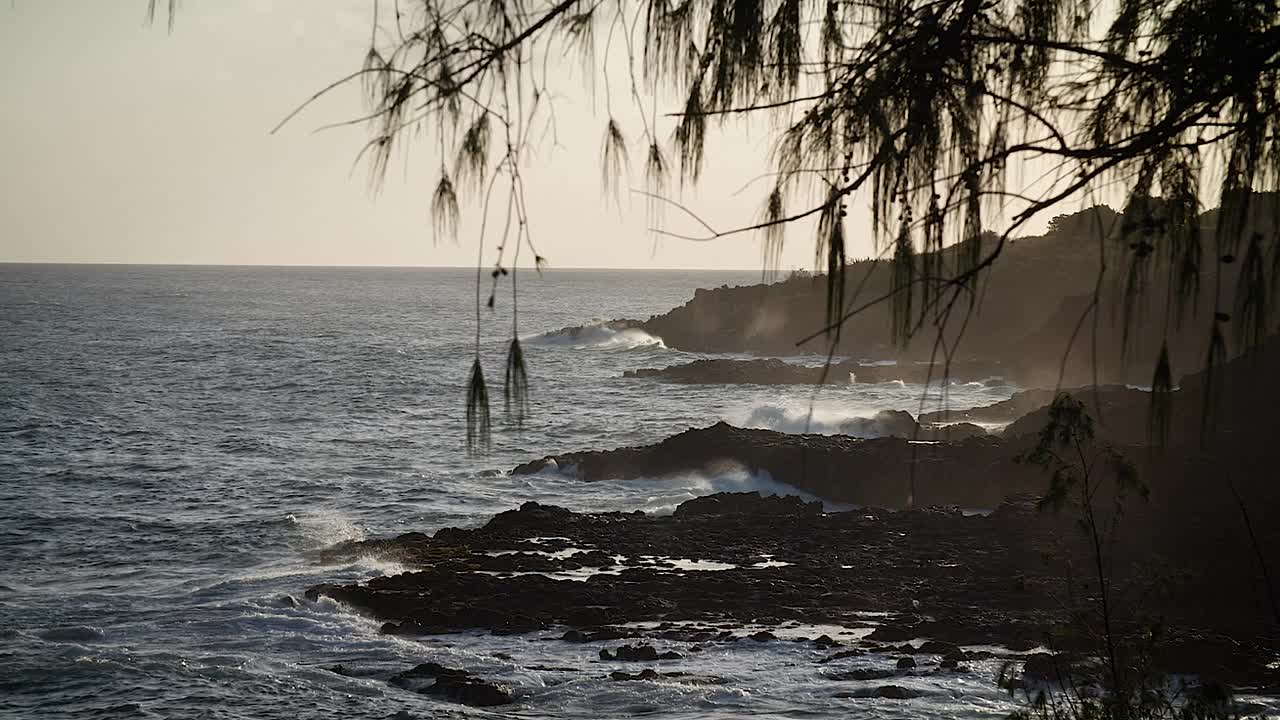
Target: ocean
[{"x": 177, "y": 443}]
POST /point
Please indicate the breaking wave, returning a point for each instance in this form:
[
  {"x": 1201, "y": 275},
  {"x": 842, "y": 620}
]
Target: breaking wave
[
  {"x": 863, "y": 423},
  {"x": 606, "y": 335}
]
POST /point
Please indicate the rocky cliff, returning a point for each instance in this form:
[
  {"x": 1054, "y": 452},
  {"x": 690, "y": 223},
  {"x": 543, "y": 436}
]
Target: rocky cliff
[{"x": 1033, "y": 311}]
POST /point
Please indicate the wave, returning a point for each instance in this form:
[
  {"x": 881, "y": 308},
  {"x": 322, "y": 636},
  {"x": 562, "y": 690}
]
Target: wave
[
  {"x": 679, "y": 488},
  {"x": 611, "y": 335},
  {"x": 860, "y": 423},
  {"x": 324, "y": 528},
  {"x": 72, "y": 634},
  {"x": 653, "y": 495}
]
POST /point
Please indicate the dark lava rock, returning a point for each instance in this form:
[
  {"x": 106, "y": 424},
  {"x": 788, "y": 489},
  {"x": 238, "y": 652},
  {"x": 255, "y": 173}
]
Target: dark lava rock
[
  {"x": 348, "y": 671},
  {"x": 976, "y": 472},
  {"x": 598, "y": 634},
  {"x": 951, "y": 432},
  {"x": 825, "y": 641},
  {"x": 938, "y": 647},
  {"x": 842, "y": 655},
  {"x": 1045, "y": 667},
  {"x": 414, "y": 549},
  {"x": 843, "y": 565},
  {"x": 646, "y": 674},
  {"x": 642, "y": 652},
  {"x": 772, "y": 371},
  {"x": 862, "y": 674},
  {"x": 886, "y": 423},
  {"x": 726, "y": 371},
  {"x": 727, "y": 503},
  {"x": 906, "y": 663},
  {"x": 890, "y": 692},
  {"x": 452, "y": 684},
  {"x": 763, "y": 636}
]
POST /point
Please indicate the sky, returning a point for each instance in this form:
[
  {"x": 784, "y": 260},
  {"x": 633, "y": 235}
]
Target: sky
[{"x": 123, "y": 143}]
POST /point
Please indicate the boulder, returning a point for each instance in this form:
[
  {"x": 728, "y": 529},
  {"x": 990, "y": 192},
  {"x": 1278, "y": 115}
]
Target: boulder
[
  {"x": 1045, "y": 667},
  {"x": 862, "y": 674},
  {"x": 886, "y": 423},
  {"x": 727, "y": 503},
  {"x": 890, "y": 692},
  {"x": 642, "y": 652},
  {"x": 976, "y": 472},
  {"x": 453, "y": 684}
]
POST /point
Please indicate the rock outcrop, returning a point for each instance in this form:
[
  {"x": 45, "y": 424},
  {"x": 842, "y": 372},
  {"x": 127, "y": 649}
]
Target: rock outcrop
[
  {"x": 452, "y": 684},
  {"x": 975, "y": 472},
  {"x": 960, "y": 580},
  {"x": 1033, "y": 300},
  {"x": 772, "y": 371}
]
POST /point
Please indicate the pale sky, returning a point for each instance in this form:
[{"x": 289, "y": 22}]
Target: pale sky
[{"x": 123, "y": 143}]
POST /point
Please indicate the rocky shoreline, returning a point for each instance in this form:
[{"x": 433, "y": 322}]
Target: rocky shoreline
[
  {"x": 891, "y": 472},
  {"x": 734, "y": 568},
  {"x": 1027, "y": 324},
  {"x": 899, "y": 592},
  {"x": 773, "y": 371}
]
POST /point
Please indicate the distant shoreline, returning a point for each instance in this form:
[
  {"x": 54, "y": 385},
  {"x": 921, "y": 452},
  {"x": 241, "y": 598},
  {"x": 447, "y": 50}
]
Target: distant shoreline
[{"x": 471, "y": 268}]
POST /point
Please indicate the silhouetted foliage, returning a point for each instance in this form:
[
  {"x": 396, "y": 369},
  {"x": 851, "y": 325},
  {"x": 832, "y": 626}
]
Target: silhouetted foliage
[
  {"x": 925, "y": 105},
  {"x": 1094, "y": 480}
]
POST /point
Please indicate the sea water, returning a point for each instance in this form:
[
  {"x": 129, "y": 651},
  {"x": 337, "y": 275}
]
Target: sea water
[{"x": 177, "y": 442}]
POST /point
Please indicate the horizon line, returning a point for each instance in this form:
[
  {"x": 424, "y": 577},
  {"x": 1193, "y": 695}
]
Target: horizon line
[{"x": 303, "y": 266}]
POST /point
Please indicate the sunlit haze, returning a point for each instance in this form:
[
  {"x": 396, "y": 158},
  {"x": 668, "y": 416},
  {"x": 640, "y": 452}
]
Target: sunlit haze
[{"x": 125, "y": 144}]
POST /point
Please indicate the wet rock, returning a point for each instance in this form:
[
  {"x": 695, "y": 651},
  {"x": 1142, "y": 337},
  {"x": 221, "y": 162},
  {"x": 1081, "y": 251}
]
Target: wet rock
[
  {"x": 772, "y": 371},
  {"x": 724, "y": 371},
  {"x": 646, "y": 674},
  {"x": 951, "y": 432},
  {"x": 638, "y": 653},
  {"x": 413, "y": 549},
  {"x": 602, "y": 634},
  {"x": 938, "y": 647},
  {"x": 352, "y": 672},
  {"x": 886, "y": 423},
  {"x": 763, "y": 636},
  {"x": 906, "y": 663},
  {"x": 842, "y": 655},
  {"x": 844, "y": 565},
  {"x": 825, "y": 641},
  {"x": 727, "y": 503},
  {"x": 1045, "y": 667},
  {"x": 862, "y": 674},
  {"x": 897, "y": 630},
  {"x": 890, "y": 692},
  {"x": 975, "y": 472},
  {"x": 588, "y": 617},
  {"x": 453, "y": 684}
]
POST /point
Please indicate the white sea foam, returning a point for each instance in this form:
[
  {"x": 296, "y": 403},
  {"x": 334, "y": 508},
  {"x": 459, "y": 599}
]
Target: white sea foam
[
  {"x": 322, "y": 528},
  {"x": 676, "y": 489},
  {"x": 598, "y": 336},
  {"x": 657, "y": 496},
  {"x": 819, "y": 419}
]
